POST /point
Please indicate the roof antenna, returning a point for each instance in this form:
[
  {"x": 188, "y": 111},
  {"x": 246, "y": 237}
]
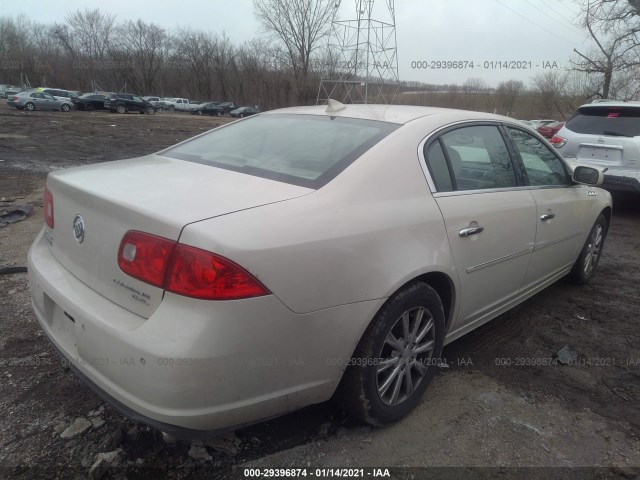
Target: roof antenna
[{"x": 334, "y": 106}]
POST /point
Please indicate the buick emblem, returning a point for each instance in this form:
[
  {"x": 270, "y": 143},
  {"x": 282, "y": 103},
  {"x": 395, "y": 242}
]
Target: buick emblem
[{"x": 78, "y": 228}]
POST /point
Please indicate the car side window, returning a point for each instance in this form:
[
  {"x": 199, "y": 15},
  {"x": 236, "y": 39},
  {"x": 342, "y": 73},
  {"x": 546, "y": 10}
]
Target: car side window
[
  {"x": 541, "y": 165},
  {"x": 479, "y": 158},
  {"x": 438, "y": 168}
]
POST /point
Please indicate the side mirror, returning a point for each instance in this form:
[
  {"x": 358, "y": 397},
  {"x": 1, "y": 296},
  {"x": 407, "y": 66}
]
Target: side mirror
[{"x": 588, "y": 175}]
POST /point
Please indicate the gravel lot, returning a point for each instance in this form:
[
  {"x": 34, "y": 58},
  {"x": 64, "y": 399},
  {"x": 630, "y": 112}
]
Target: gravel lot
[{"x": 495, "y": 406}]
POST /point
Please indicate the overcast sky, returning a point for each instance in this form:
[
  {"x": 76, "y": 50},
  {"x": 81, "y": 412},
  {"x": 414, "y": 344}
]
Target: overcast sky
[{"x": 535, "y": 31}]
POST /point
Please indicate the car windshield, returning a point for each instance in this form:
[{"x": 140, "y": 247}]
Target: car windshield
[
  {"x": 606, "y": 120},
  {"x": 305, "y": 150}
]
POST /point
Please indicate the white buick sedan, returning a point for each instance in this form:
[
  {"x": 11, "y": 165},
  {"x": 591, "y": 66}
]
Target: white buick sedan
[{"x": 303, "y": 254}]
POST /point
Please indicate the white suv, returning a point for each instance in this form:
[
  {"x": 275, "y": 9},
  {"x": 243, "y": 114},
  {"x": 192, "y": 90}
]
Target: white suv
[{"x": 606, "y": 134}]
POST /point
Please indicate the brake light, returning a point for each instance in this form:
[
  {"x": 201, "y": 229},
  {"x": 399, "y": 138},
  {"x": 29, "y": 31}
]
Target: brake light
[
  {"x": 558, "y": 141},
  {"x": 200, "y": 274},
  {"x": 48, "y": 207},
  {"x": 185, "y": 270},
  {"x": 145, "y": 257}
]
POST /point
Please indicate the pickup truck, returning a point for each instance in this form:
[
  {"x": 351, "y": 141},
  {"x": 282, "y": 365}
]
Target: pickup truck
[{"x": 176, "y": 104}]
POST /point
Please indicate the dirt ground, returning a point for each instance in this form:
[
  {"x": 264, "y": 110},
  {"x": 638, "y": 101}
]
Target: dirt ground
[{"x": 494, "y": 406}]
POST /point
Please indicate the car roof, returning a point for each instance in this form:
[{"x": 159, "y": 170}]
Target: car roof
[
  {"x": 611, "y": 103},
  {"x": 400, "y": 114}
]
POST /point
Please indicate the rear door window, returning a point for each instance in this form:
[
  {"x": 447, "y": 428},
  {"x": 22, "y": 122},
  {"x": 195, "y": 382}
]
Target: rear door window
[
  {"x": 606, "y": 120},
  {"x": 479, "y": 158}
]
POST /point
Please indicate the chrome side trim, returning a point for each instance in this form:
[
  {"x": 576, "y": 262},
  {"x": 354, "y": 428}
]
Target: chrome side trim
[
  {"x": 541, "y": 245},
  {"x": 498, "y": 260}
]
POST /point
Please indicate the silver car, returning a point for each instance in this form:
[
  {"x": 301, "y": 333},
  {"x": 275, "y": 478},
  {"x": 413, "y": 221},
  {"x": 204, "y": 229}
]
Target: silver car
[
  {"x": 605, "y": 134},
  {"x": 39, "y": 100},
  {"x": 300, "y": 253}
]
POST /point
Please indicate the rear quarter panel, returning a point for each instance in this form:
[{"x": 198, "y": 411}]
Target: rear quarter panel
[{"x": 360, "y": 237}]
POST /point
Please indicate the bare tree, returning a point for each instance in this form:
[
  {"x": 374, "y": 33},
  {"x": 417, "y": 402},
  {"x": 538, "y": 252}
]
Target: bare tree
[
  {"x": 550, "y": 89},
  {"x": 300, "y": 25},
  {"x": 613, "y": 28},
  {"x": 139, "y": 51},
  {"x": 507, "y": 95}
]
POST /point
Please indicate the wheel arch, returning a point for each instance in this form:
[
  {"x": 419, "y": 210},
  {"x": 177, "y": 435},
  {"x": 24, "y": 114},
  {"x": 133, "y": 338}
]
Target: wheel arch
[
  {"x": 444, "y": 287},
  {"x": 607, "y": 214}
]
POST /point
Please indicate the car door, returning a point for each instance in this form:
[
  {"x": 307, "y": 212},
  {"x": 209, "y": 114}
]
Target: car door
[
  {"x": 488, "y": 214},
  {"x": 562, "y": 208},
  {"x": 138, "y": 103},
  {"x": 50, "y": 102}
]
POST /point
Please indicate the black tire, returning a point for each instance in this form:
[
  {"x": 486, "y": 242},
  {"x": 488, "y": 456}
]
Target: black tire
[
  {"x": 30, "y": 106},
  {"x": 172, "y": 108},
  {"x": 585, "y": 266},
  {"x": 151, "y": 110},
  {"x": 88, "y": 106},
  {"x": 65, "y": 107},
  {"x": 360, "y": 392},
  {"x": 121, "y": 109}
]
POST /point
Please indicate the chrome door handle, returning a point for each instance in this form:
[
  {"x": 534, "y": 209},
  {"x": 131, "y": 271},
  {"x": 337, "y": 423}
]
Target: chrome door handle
[
  {"x": 547, "y": 216},
  {"x": 465, "y": 232}
]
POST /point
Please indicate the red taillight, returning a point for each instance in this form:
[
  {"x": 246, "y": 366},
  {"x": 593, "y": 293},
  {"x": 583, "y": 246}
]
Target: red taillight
[
  {"x": 185, "y": 270},
  {"x": 48, "y": 207},
  {"x": 558, "y": 141},
  {"x": 200, "y": 274},
  {"x": 145, "y": 257}
]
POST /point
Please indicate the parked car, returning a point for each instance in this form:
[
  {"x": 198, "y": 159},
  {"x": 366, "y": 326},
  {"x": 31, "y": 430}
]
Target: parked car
[
  {"x": 127, "y": 102},
  {"x": 550, "y": 129},
  {"x": 156, "y": 102},
  {"x": 63, "y": 94},
  {"x": 528, "y": 124},
  {"x": 92, "y": 101},
  {"x": 6, "y": 90},
  {"x": 177, "y": 104},
  {"x": 271, "y": 263},
  {"x": 34, "y": 100},
  {"x": 605, "y": 134},
  {"x": 244, "y": 112},
  {"x": 212, "y": 108},
  {"x": 228, "y": 106},
  {"x": 540, "y": 123}
]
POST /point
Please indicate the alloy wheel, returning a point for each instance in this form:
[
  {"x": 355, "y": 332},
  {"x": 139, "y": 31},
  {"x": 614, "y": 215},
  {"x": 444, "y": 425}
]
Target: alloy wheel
[
  {"x": 594, "y": 247},
  {"x": 404, "y": 359}
]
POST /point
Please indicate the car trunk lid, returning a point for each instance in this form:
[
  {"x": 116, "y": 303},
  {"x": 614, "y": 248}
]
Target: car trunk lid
[{"x": 153, "y": 194}]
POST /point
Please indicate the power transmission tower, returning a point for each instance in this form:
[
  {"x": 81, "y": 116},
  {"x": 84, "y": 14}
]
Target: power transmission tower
[{"x": 362, "y": 58}]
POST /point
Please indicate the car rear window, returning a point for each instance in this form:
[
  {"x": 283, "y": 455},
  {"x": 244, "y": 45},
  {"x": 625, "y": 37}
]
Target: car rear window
[
  {"x": 305, "y": 150},
  {"x": 609, "y": 120}
]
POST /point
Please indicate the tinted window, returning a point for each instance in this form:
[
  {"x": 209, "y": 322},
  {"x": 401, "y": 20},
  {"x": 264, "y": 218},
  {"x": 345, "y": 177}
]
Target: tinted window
[
  {"x": 306, "y": 150},
  {"x": 540, "y": 163},
  {"x": 438, "y": 168},
  {"x": 479, "y": 158},
  {"x": 606, "y": 120}
]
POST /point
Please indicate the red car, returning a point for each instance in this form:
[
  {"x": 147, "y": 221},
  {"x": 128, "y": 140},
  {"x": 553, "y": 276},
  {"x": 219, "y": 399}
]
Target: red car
[{"x": 550, "y": 129}]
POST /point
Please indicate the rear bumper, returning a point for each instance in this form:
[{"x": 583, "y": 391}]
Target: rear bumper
[
  {"x": 194, "y": 367},
  {"x": 621, "y": 183}
]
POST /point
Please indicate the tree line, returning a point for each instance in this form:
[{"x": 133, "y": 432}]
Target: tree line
[{"x": 94, "y": 50}]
